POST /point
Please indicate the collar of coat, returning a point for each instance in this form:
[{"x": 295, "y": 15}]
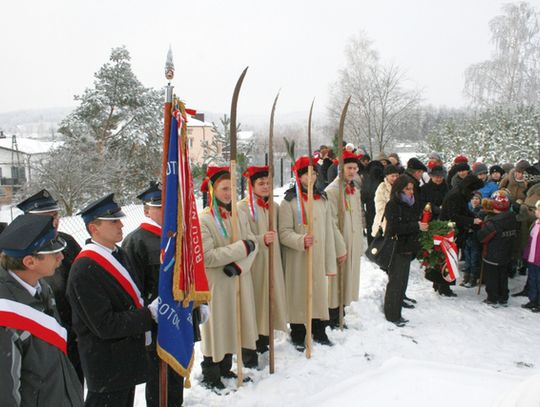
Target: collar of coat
[{"x": 291, "y": 193}]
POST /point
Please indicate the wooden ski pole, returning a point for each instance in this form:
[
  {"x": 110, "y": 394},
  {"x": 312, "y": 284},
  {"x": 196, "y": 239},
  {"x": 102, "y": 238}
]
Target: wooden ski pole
[
  {"x": 271, "y": 364},
  {"x": 341, "y": 211},
  {"x": 309, "y": 263},
  {"x": 234, "y": 222}
]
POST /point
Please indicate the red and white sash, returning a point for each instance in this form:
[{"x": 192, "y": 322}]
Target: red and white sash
[
  {"x": 151, "y": 226},
  {"x": 112, "y": 266},
  {"x": 449, "y": 248},
  {"x": 15, "y": 315}
]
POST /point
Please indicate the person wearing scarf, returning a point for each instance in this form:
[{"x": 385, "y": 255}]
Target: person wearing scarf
[
  {"x": 402, "y": 215},
  {"x": 255, "y": 208},
  {"x": 224, "y": 261},
  {"x": 295, "y": 242},
  {"x": 350, "y": 244}
]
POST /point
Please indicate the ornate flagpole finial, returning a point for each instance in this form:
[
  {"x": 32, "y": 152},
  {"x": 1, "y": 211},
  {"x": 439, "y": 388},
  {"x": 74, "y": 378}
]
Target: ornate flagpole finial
[{"x": 169, "y": 65}]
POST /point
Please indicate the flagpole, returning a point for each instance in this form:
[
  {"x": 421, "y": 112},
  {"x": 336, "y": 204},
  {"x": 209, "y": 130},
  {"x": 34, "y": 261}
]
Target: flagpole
[
  {"x": 271, "y": 364},
  {"x": 167, "y": 115}
]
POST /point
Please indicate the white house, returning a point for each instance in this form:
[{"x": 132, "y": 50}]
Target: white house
[{"x": 17, "y": 154}]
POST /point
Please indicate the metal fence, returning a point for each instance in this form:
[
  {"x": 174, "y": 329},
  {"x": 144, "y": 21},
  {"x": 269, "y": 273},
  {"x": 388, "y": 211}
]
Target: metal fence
[{"x": 74, "y": 225}]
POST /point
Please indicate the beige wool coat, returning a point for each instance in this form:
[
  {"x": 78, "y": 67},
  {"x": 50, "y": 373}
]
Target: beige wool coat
[
  {"x": 350, "y": 242},
  {"x": 260, "y": 275},
  {"x": 291, "y": 235},
  {"x": 382, "y": 196},
  {"x": 218, "y": 334}
]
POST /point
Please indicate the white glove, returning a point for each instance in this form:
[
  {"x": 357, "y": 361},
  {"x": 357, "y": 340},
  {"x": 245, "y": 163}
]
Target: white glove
[
  {"x": 153, "y": 307},
  {"x": 204, "y": 313}
]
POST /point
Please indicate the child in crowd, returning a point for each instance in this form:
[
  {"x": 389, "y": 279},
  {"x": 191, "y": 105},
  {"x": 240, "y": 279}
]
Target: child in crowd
[
  {"x": 497, "y": 237},
  {"x": 532, "y": 256},
  {"x": 472, "y": 248}
]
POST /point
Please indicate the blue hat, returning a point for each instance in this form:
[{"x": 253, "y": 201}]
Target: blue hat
[
  {"x": 30, "y": 234},
  {"x": 152, "y": 195},
  {"x": 104, "y": 209},
  {"x": 40, "y": 202}
]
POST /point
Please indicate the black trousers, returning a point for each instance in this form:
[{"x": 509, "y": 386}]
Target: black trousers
[
  {"x": 123, "y": 398},
  {"x": 398, "y": 277},
  {"x": 175, "y": 383},
  {"x": 496, "y": 280}
]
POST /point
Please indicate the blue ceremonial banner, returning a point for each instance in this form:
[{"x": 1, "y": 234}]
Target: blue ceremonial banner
[{"x": 175, "y": 324}]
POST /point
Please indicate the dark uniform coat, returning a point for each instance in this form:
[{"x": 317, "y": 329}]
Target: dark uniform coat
[
  {"x": 58, "y": 283},
  {"x": 33, "y": 372},
  {"x": 110, "y": 330}
]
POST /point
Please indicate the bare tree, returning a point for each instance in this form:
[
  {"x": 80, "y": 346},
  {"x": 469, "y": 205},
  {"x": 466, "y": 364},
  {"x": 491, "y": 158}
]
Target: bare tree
[
  {"x": 380, "y": 102},
  {"x": 512, "y": 76}
]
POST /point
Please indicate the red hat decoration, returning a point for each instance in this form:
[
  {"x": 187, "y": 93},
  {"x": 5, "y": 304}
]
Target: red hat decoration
[
  {"x": 256, "y": 171},
  {"x": 213, "y": 173}
]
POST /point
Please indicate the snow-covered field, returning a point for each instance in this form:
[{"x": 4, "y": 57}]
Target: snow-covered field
[{"x": 454, "y": 352}]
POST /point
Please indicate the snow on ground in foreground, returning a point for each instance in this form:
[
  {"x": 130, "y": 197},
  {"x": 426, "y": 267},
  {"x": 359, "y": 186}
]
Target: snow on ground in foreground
[{"x": 454, "y": 351}]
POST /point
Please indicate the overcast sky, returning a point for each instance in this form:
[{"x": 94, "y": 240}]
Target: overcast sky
[{"x": 49, "y": 49}]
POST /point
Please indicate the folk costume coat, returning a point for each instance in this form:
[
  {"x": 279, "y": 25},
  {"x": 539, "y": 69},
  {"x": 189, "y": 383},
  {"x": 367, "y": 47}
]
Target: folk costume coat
[
  {"x": 350, "y": 242},
  {"x": 219, "y": 332},
  {"x": 294, "y": 255},
  {"x": 260, "y": 274}
]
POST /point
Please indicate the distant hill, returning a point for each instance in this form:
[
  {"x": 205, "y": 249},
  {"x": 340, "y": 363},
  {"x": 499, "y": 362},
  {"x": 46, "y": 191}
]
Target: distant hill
[{"x": 33, "y": 123}]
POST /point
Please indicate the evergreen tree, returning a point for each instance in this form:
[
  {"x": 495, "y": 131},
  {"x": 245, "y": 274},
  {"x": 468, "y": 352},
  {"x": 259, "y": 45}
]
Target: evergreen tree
[{"x": 114, "y": 134}]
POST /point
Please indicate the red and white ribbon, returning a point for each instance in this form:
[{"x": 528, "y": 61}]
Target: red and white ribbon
[
  {"x": 151, "y": 227},
  {"x": 449, "y": 248},
  {"x": 23, "y": 317},
  {"x": 112, "y": 266}
]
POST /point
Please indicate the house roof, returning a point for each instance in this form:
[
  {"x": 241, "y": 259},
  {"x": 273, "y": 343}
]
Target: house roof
[
  {"x": 29, "y": 146},
  {"x": 193, "y": 122}
]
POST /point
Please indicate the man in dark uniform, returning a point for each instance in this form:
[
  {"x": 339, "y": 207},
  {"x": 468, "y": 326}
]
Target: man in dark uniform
[
  {"x": 34, "y": 367},
  {"x": 42, "y": 203},
  {"x": 109, "y": 316},
  {"x": 142, "y": 247}
]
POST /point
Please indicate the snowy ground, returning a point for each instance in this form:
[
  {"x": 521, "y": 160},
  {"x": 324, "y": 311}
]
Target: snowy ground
[{"x": 454, "y": 352}]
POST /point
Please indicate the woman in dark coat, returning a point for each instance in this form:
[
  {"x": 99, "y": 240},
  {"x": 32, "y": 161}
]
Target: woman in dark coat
[
  {"x": 434, "y": 191},
  {"x": 402, "y": 215},
  {"x": 455, "y": 208},
  {"x": 374, "y": 176}
]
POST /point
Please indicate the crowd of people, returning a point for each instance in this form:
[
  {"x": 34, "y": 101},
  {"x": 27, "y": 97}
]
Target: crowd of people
[{"x": 73, "y": 315}]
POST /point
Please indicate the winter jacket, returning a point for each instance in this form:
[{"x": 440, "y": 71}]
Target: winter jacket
[
  {"x": 351, "y": 242},
  {"x": 294, "y": 255},
  {"x": 402, "y": 222},
  {"x": 109, "y": 327},
  {"x": 488, "y": 189},
  {"x": 455, "y": 206},
  {"x": 527, "y": 250},
  {"x": 516, "y": 188},
  {"x": 219, "y": 332},
  {"x": 259, "y": 270},
  {"x": 498, "y": 235},
  {"x": 382, "y": 196},
  {"x": 455, "y": 181},
  {"x": 32, "y": 371},
  {"x": 433, "y": 194}
]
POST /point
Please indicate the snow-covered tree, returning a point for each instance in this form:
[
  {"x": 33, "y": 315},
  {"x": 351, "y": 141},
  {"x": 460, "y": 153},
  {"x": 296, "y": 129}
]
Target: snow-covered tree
[
  {"x": 494, "y": 136},
  {"x": 511, "y": 77},
  {"x": 115, "y": 131},
  {"x": 380, "y": 101}
]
